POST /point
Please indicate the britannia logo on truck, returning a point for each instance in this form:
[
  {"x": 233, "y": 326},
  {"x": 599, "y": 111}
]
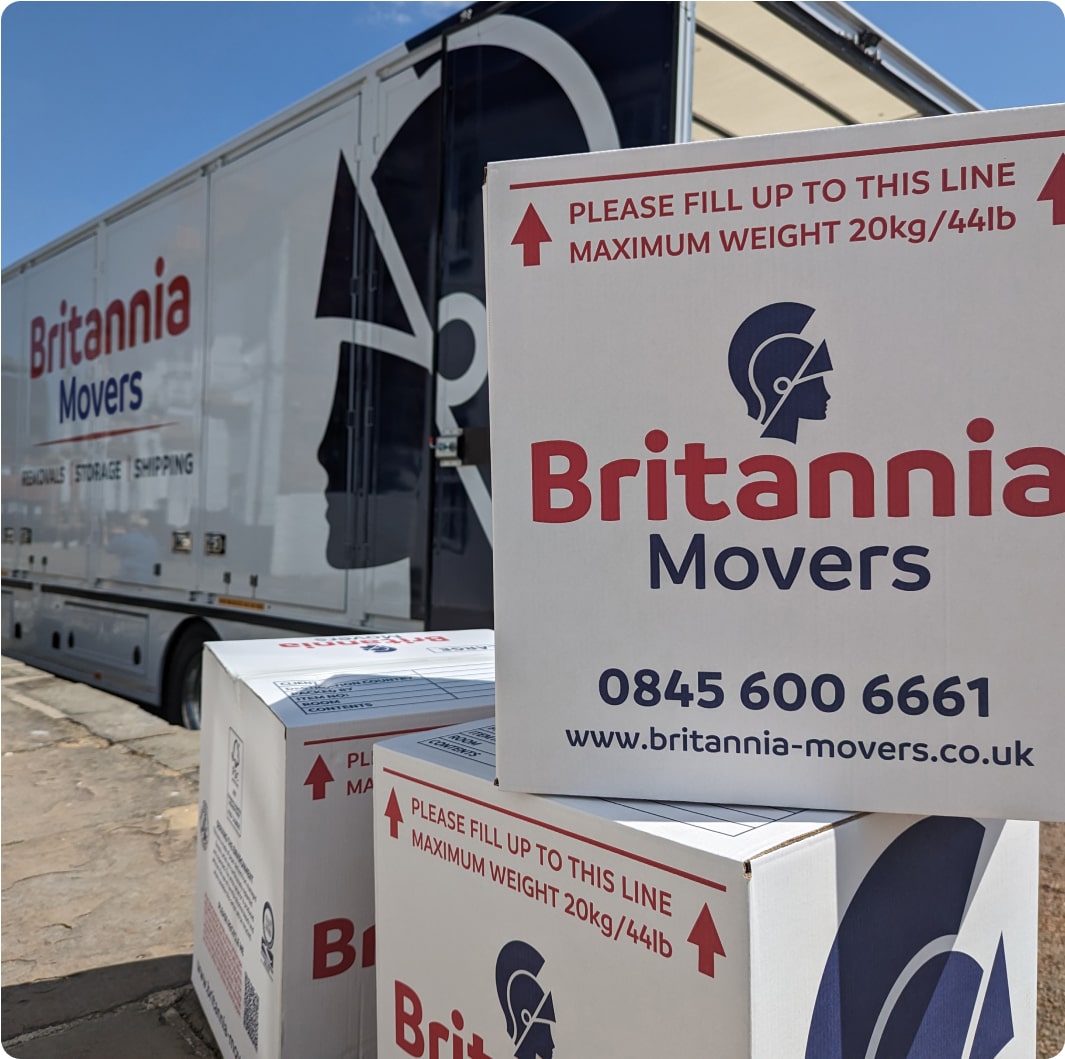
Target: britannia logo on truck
[
  {"x": 527, "y": 1006},
  {"x": 896, "y": 982},
  {"x": 778, "y": 372},
  {"x": 69, "y": 342}
]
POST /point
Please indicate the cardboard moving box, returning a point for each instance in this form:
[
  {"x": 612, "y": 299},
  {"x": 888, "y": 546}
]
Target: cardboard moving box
[
  {"x": 780, "y": 496},
  {"x": 284, "y": 951},
  {"x": 531, "y": 926}
]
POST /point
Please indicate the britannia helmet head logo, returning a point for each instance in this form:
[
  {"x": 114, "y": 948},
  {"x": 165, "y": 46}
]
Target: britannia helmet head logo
[
  {"x": 527, "y": 1006},
  {"x": 779, "y": 372}
]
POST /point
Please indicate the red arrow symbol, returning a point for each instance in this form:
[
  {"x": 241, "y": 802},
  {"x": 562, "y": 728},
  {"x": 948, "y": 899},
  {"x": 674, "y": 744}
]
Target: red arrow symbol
[
  {"x": 1054, "y": 191},
  {"x": 395, "y": 817},
  {"x": 318, "y": 777},
  {"x": 530, "y": 234},
  {"x": 705, "y": 938}
]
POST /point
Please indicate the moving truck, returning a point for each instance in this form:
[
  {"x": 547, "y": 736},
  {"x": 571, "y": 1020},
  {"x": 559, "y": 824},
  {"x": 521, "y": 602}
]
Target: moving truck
[{"x": 251, "y": 401}]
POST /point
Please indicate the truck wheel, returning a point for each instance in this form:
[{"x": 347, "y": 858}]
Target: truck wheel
[{"x": 181, "y": 695}]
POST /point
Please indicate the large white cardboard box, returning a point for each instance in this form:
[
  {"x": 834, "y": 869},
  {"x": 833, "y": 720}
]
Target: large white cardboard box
[
  {"x": 779, "y": 467},
  {"x": 284, "y": 953},
  {"x": 516, "y": 925}
]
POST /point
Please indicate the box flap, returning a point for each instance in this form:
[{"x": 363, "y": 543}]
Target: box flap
[
  {"x": 375, "y": 687},
  {"x": 245, "y": 658}
]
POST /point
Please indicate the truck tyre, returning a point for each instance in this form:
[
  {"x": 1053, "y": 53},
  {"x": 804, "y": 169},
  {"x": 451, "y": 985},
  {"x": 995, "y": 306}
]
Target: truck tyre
[{"x": 181, "y": 693}]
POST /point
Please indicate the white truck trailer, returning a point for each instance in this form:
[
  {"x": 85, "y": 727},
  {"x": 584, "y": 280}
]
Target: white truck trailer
[{"x": 252, "y": 400}]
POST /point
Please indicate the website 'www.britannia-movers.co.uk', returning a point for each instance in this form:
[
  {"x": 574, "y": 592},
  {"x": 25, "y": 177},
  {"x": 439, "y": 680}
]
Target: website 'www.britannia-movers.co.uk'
[{"x": 692, "y": 741}]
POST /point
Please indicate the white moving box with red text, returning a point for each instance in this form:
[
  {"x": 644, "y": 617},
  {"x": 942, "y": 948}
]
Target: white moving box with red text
[
  {"x": 779, "y": 468},
  {"x": 283, "y": 962},
  {"x": 532, "y": 926}
]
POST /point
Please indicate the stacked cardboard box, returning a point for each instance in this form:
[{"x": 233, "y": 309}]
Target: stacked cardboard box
[
  {"x": 529, "y": 925},
  {"x": 769, "y": 497},
  {"x": 285, "y": 943}
]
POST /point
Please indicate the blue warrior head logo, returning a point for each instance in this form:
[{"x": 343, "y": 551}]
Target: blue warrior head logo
[
  {"x": 778, "y": 372},
  {"x": 529, "y": 1010}
]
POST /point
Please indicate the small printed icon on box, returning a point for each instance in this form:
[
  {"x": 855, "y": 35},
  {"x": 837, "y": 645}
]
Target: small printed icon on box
[
  {"x": 266, "y": 945},
  {"x": 235, "y": 781}
]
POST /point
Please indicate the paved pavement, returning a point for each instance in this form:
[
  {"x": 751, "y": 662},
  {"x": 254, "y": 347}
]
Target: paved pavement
[{"x": 99, "y": 805}]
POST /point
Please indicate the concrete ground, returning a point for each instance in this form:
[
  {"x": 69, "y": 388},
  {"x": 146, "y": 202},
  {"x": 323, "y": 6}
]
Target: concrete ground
[{"x": 99, "y": 808}]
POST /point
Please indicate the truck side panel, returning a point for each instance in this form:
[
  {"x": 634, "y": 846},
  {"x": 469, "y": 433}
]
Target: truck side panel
[
  {"x": 143, "y": 482},
  {"x": 395, "y": 205},
  {"x": 13, "y": 414},
  {"x": 59, "y": 524},
  {"x": 268, "y": 498}
]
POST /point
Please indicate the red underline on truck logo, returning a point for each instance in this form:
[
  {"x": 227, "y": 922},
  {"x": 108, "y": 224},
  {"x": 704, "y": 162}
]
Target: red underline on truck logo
[
  {"x": 104, "y": 434},
  {"x": 369, "y": 735},
  {"x": 760, "y": 163},
  {"x": 628, "y": 854}
]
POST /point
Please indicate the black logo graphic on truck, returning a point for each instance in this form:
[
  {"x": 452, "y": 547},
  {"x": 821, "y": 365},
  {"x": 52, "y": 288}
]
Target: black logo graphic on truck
[{"x": 404, "y": 263}]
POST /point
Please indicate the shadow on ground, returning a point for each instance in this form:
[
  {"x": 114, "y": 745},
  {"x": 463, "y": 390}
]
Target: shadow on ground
[{"x": 126, "y": 1011}]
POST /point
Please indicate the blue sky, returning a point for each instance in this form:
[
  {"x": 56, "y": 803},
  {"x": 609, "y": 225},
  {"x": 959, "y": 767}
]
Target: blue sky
[{"x": 99, "y": 100}]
